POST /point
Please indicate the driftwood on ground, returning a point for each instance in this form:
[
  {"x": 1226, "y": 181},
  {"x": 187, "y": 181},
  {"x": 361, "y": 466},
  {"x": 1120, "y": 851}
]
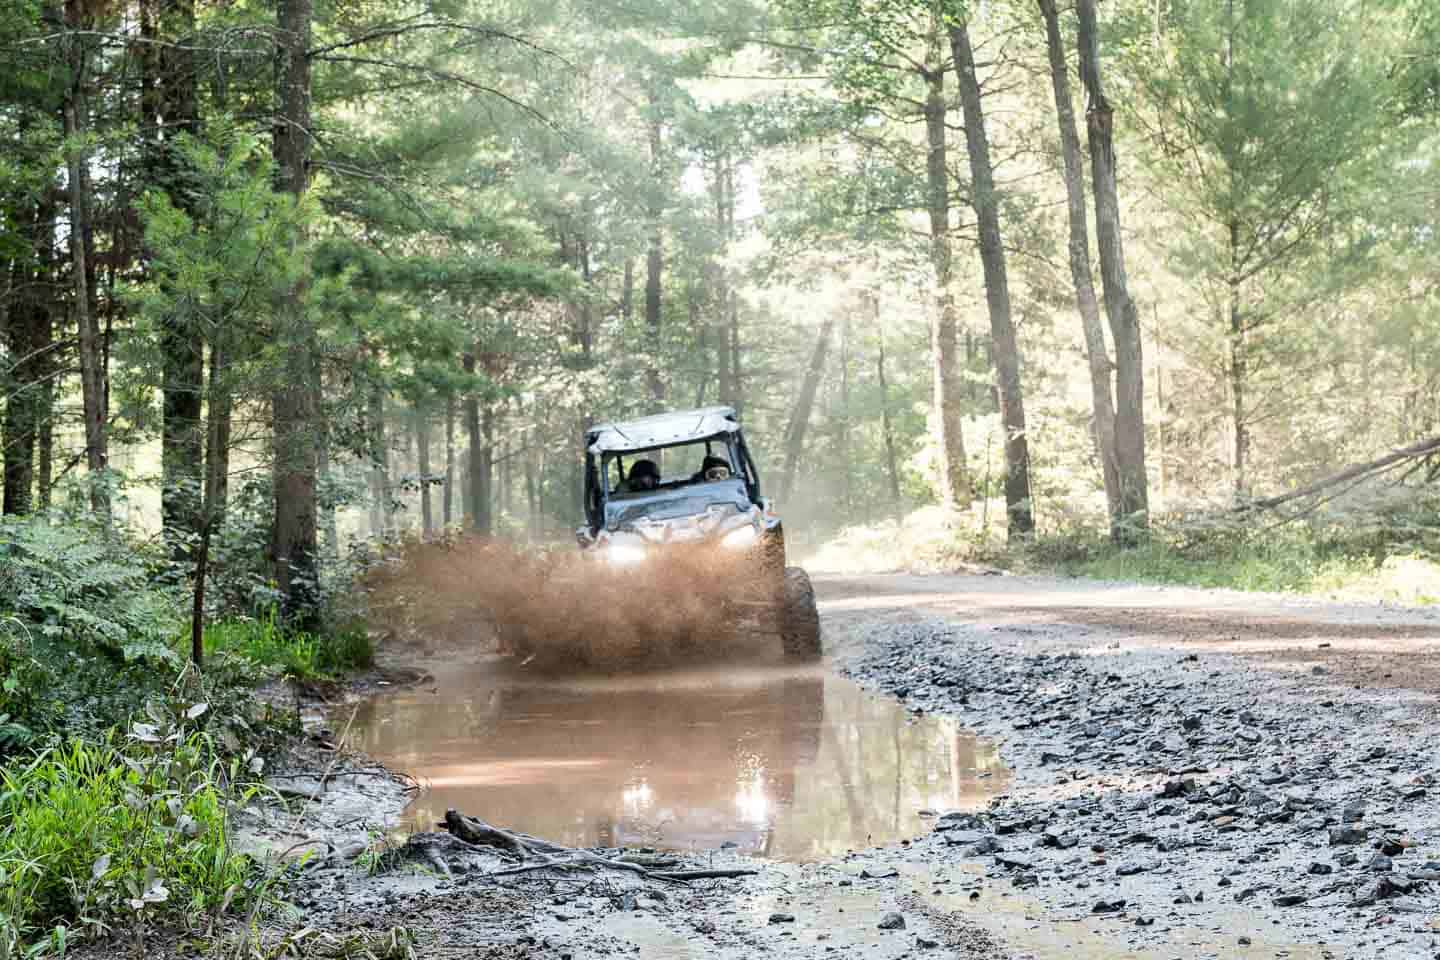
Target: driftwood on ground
[{"x": 548, "y": 856}]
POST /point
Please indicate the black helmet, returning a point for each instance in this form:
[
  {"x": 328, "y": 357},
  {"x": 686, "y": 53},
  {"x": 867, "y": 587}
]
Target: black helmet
[
  {"x": 715, "y": 468},
  {"x": 644, "y": 475}
]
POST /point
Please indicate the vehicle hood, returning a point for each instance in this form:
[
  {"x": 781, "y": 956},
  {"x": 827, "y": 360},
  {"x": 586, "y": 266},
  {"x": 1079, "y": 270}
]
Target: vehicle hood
[{"x": 690, "y": 513}]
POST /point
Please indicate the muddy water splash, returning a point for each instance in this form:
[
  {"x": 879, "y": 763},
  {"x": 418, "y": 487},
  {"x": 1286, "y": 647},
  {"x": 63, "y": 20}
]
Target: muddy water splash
[{"x": 784, "y": 763}]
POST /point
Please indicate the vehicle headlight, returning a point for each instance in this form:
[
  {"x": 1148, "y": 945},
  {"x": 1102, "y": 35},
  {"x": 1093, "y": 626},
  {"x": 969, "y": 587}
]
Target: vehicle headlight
[
  {"x": 739, "y": 539},
  {"x": 624, "y": 555}
]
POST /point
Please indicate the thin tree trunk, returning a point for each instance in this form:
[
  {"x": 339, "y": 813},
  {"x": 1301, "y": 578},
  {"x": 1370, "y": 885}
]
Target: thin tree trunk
[
  {"x": 485, "y": 479},
  {"x": 800, "y": 418},
  {"x": 721, "y": 300},
  {"x": 737, "y": 382},
  {"x": 654, "y": 265},
  {"x": 1102, "y": 398},
  {"x": 217, "y": 454},
  {"x": 1020, "y": 515},
  {"x": 182, "y": 431},
  {"x": 886, "y": 430},
  {"x": 296, "y": 403},
  {"x": 92, "y": 371},
  {"x": 1133, "y": 503},
  {"x": 422, "y": 453},
  {"x": 380, "y": 499},
  {"x": 24, "y": 327},
  {"x": 948, "y": 388},
  {"x": 1237, "y": 374},
  {"x": 844, "y": 417},
  {"x": 449, "y": 496},
  {"x": 627, "y": 291},
  {"x": 474, "y": 426}
]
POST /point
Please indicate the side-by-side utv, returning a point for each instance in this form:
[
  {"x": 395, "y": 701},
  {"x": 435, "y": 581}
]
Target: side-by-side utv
[{"x": 685, "y": 484}]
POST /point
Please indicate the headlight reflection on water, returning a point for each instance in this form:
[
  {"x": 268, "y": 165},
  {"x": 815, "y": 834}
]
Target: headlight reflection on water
[
  {"x": 637, "y": 799},
  {"x": 752, "y": 803}
]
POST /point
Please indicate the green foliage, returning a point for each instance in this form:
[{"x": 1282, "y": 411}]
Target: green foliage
[
  {"x": 77, "y": 582},
  {"x": 117, "y": 834},
  {"x": 1379, "y": 561},
  {"x": 267, "y": 643}
]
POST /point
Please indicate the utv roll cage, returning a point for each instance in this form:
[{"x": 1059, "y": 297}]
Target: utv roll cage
[{"x": 634, "y": 438}]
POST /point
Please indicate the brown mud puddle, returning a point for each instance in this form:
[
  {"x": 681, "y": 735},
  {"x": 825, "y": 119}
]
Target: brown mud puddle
[{"x": 787, "y": 763}]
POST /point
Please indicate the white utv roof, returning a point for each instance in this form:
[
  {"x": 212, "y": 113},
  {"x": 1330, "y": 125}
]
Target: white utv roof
[{"x": 662, "y": 429}]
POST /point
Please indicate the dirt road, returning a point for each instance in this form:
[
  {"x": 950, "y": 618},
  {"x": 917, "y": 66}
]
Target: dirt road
[{"x": 1191, "y": 774}]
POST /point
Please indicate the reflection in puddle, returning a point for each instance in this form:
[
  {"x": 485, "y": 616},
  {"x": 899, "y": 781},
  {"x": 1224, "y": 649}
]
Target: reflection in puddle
[{"x": 781, "y": 763}]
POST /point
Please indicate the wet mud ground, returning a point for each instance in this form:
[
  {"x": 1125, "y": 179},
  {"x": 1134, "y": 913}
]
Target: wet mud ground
[{"x": 1027, "y": 768}]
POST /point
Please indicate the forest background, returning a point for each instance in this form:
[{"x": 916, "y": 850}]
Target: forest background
[
  {"x": 284, "y": 282},
  {"x": 292, "y": 289}
]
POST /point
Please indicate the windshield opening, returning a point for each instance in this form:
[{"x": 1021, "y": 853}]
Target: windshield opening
[{"x": 644, "y": 472}]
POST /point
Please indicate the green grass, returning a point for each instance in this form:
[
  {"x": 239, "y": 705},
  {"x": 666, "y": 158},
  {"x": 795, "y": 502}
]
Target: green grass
[
  {"x": 114, "y": 835},
  {"x": 1291, "y": 562},
  {"x": 266, "y": 643}
]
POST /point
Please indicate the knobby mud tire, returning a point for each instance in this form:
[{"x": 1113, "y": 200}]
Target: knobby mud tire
[{"x": 799, "y": 619}]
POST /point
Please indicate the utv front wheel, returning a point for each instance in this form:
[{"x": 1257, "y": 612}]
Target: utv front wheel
[{"x": 799, "y": 620}]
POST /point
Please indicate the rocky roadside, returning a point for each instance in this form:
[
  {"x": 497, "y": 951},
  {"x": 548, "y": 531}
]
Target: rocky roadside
[{"x": 1168, "y": 801}]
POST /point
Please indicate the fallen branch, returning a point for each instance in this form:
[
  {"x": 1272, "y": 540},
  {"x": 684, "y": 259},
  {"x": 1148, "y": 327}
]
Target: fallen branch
[
  {"x": 1357, "y": 471},
  {"x": 705, "y": 874},
  {"x": 549, "y": 856}
]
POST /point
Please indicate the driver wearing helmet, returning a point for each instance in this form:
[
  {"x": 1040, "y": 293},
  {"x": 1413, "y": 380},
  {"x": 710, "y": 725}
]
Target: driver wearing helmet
[
  {"x": 712, "y": 468},
  {"x": 644, "y": 477}
]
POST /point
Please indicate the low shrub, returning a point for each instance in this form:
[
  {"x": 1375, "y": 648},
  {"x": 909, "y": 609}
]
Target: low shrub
[
  {"x": 122, "y": 833},
  {"x": 266, "y": 643}
]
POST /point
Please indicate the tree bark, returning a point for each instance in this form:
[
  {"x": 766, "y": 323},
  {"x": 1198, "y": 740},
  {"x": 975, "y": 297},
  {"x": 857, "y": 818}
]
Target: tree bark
[
  {"x": 654, "y": 265},
  {"x": 217, "y": 454},
  {"x": 27, "y": 327},
  {"x": 477, "y": 423},
  {"x": 949, "y": 392},
  {"x": 1133, "y": 507},
  {"x": 448, "y": 500},
  {"x": 92, "y": 360},
  {"x": 1101, "y": 395},
  {"x": 295, "y": 403},
  {"x": 182, "y": 433},
  {"x": 800, "y": 418},
  {"x": 886, "y": 430},
  {"x": 422, "y": 453},
  {"x": 1019, "y": 513}
]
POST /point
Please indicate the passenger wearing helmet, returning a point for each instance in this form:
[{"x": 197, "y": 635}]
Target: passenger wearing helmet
[
  {"x": 712, "y": 468},
  {"x": 644, "y": 477}
]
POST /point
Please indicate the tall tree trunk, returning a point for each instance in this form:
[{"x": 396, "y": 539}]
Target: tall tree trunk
[
  {"x": 45, "y": 469},
  {"x": 295, "y": 403},
  {"x": 217, "y": 453},
  {"x": 1238, "y": 369},
  {"x": 720, "y": 303},
  {"x": 182, "y": 434},
  {"x": 800, "y": 417},
  {"x": 477, "y": 423},
  {"x": 448, "y": 499},
  {"x": 1133, "y": 506},
  {"x": 654, "y": 265},
  {"x": 627, "y": 291},
  {"x": 737, "y": 382},
  {"x": 381, "y": 499},
  {"x": 1020, "y": 515},
  {"x": 843, "y": 418},
  {"x": 948, "y": 389},
  {"x": 92, "y": 360},
  {"x": 422, "y": 453},
  {"x": 26, "y": 327},
  {"x": 1101, "y": 395},
  {"x": 887, "y": 432}
]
